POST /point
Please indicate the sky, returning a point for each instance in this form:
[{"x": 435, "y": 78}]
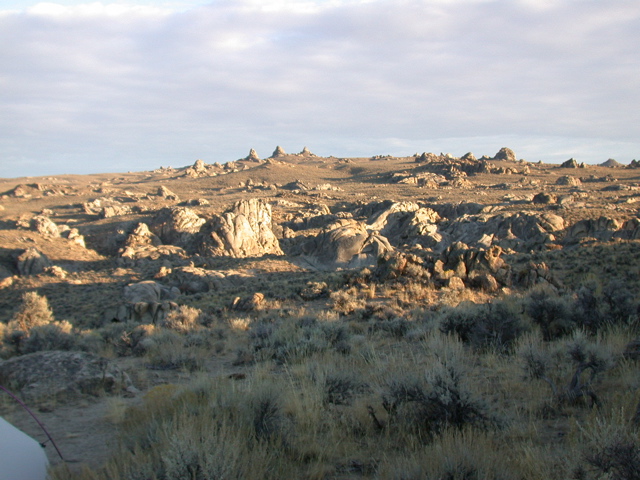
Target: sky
[{"x": 116, "y": 86}]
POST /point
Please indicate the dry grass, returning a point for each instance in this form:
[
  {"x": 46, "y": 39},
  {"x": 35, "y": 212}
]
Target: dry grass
[{"x": 335, "y": 375}]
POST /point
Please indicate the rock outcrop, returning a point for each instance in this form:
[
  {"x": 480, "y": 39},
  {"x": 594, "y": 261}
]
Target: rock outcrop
[
  {"x": 32, "y": 262},
  {"x": 61, "y": 375},
  {"x": 190, "y": 279},
  {"x": 611, "y": 163},
  {"x": 480, "y": 268},
  {"x": 405, "y": 222},
  {"x": 142, "y": 244},
  {"x": 253, "y": 156},
  {"x": 149, "y": 292},
  {"x": 177, "y": 226},
  {"x": 519, "y": 231},
  {"x": 245, "y": 230},
  {"x": 602, "y": 228},
  {"x": 278, "y": 152},
  {"x": 345, "y": 243},
  {"x": 167, "y": 194},
  {"x": 568, "y": 180},
  {"x": 571, "y": 163},
  {"x": 145, "y": 302},
  {"x": 306, "y": 153},
  {"x": 505, "y": 154},
  {"x": 45, "y": 226}
]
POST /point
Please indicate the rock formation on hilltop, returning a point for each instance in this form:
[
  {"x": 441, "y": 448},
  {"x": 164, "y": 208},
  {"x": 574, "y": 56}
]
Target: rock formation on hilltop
[
  {"x": 571, "y": 163},
  {"x": 505, "y": 154},
  {"x": 306, "y": 153},
  {"x": 278, "y": 152},
  {"x": 253, "y": 156},
  {"x": 611, "y": 163}
]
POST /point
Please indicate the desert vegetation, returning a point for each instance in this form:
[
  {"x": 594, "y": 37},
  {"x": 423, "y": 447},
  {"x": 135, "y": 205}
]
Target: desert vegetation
[{"x": 305, "y": 317}]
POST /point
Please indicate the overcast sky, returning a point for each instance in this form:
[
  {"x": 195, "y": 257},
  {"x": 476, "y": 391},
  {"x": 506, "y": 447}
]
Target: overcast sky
[{"x": 89, "y": 87}]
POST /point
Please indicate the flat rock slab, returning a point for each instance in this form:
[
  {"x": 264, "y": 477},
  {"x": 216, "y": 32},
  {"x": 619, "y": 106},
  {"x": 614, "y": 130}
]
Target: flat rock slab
[{"x": 59, "y": 374}]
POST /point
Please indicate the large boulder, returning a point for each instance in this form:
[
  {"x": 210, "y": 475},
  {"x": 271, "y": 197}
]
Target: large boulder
[
  {"x": 571, "y": 163},
  {"x": 406, "y": 222},
  {"x": 45, "y": 226},
  {"x": 630, "y": 230},
  {"x": 345, "y": 243},
  {"x": 505, "y": 154},
  {"x": 602, "y": 228},
  {"x": 56, "y": 374},
  {"x": 142, "y": 236},
  {"x": 568, "y": 180},
  {"x": 167, "y": 194},
  {"x": 149, "y": 292},
  {"x": 544, "y": 198},
  {"x": 32, "y": 262},
  {"x": 245, "y": 230},
  {"x": 143, "y": 244},
  {"x": 177, "y": 226},
  {"x": 520, "y": 231}
]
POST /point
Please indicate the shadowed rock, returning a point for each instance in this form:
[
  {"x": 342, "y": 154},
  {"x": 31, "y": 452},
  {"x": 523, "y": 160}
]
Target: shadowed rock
[
  {"x": 602, "y": 228},
  {"x": 55, "y": 374},
  {"x": 544, "y": 198},
  {"x": 149, "y": 292},
  {"x": 345, "y": 243},
  {"x": 571, "y": 163},
  {"x": 177, "y": 226},
  {"x": 32, "y": 262}
]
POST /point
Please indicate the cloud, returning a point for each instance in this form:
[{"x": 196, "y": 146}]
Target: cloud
[{"x": 140, "y": 86}]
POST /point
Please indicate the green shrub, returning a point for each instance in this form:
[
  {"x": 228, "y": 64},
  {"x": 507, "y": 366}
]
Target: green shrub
[
  {"x": 550, "y": 312},
  {"x": 33, "y": 312},
  {"x": 52, "y": 336},
  {"x": 440, "y": 400},
  {"x": 166, "y": 350},
  {"x": 610, "y": 448},
  {"x": 494, "y": 325},
  {"x": 582, "y": 361},
  {"x": 184, "y": 319}
]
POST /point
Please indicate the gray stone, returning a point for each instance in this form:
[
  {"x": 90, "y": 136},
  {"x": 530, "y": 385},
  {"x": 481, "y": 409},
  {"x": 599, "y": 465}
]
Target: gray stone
[
  {"x": 32, "y": 262},
  {"x": 245, "y": 230},
  {"x": 55, "y": 374},
  {"x": 45, "y": 226}
]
